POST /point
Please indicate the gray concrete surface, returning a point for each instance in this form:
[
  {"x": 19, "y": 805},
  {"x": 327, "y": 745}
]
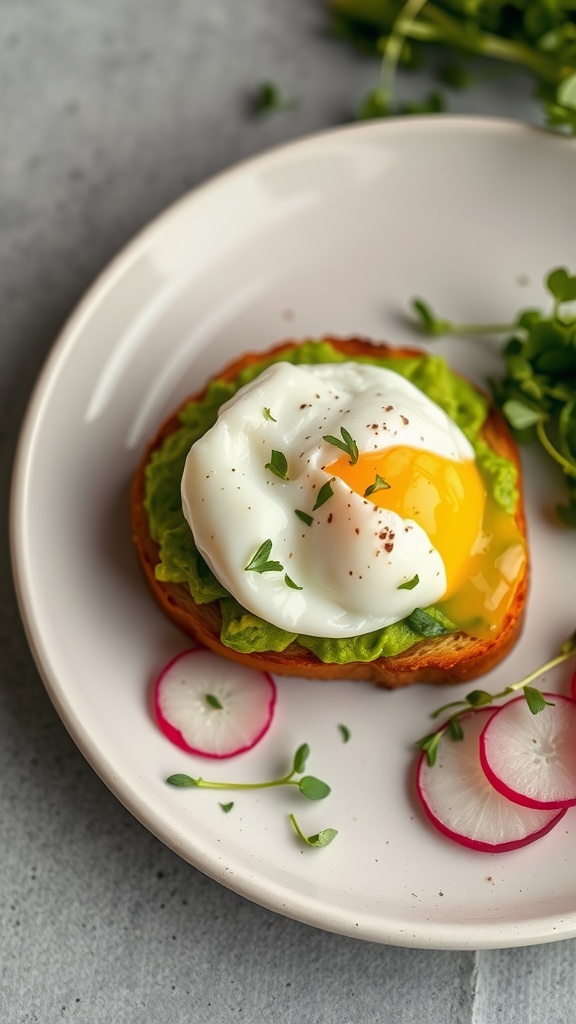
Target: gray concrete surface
[{"x": 108, "y": 112}]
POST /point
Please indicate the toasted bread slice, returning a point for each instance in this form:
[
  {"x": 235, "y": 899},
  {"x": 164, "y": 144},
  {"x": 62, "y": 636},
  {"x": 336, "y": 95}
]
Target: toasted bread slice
[{"x": 448, "y": 658}]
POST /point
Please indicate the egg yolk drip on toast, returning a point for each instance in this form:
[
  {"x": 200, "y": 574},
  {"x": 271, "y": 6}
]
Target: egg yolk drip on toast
[{"x": 480, "y": 545}]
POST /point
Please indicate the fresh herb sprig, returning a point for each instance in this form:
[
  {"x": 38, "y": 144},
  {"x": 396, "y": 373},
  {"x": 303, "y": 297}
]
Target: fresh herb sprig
[
  {"x": 345, "y": 442},
  {"x": 539, "y": 37},
  {"x": 304, "y": 517},
  {"x": 278, "y": 465},
  {"x": 380, "y": 484},
  {"x": 324, "y": 495},
  {"x": 308, "y": 785},
  {"x": 481, "y": 699},
  {"x": 537, "y": 392},
  {"x": 261, "y": 561},
  {"x": 409, "y": 584}
]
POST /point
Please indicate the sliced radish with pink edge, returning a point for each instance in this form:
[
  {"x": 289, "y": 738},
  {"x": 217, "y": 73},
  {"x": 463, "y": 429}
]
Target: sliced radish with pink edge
[
  {"x": 464, "y": 806},
  {"x": 531, "y": 759},
  {"x": 573, "y": 687},
  {"x": 213, "y": 707}
]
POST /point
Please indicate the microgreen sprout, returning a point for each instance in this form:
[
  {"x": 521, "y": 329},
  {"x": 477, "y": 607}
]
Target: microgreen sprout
[
  {"x": 320, "y": 839},
  {"x": 268, "y": 415},
  {"x": 481, "y": 698},
  {"x": 308, "y": 785},
  {"x": 537, "y": 37},
  {"x": 537, "y": 392},
  {"x": 278, "y": 465},
  {"x": 346, "y": 444},
  {"x": 260, "y": 562},
  {"x": 437, "y": 326}
]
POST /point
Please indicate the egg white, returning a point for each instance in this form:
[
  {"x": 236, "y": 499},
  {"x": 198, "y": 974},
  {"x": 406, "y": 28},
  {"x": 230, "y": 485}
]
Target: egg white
[{"x": 348, "y": 572}]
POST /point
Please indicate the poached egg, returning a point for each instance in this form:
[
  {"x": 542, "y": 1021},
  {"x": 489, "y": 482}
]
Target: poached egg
[{"x": 333, "y": 499}]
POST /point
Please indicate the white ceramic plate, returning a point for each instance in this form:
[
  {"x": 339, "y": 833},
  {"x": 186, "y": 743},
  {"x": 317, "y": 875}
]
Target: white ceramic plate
[{"x": 332, "y": 234}]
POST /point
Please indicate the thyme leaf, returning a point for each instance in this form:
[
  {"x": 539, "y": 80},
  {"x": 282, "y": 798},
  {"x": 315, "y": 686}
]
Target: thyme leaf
[
  {"x": 290, "y": 583},
  {"x": 304, "y": 516},
  {"x": 278, "y": 465},
  {"x": 346, "y": 444},
  {"x": 213, "y": 701},
  {"x": 260, "y": 561},
  {"x": 379, "y": 484},
  {"x": 323, "y": 495},
  {"x": 318, "y": 840},
  {"x": 409, "y": 584}
]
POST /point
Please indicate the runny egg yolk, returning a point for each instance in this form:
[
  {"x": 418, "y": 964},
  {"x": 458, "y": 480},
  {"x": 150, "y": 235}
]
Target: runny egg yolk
[{"x": 480, "y": 545}]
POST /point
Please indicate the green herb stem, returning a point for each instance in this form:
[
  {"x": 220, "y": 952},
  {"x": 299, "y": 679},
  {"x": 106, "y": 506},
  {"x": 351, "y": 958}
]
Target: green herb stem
[
  {"x": 481, "y": 698},
  {"x": 393, "y": 48},
  {"x": 566, "y": 652},
  {"x": 568, "y": 466},
  {"x": 558, "y": 660},
  {"x": 321, "y": 839},
  {"x": 538, "y": 37},
  {"x": 473, "y": 329},
  {"x": 309, "y": 786},
  {"x": 200, "y": 783},
  {"x": 486, "y": 44}
]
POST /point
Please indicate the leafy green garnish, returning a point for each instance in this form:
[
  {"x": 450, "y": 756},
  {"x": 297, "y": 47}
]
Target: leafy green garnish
[
  {"x": 278, "y": 465},
  {"x": 260, "y": 561},
  {"x": 300, "y": 758},
  {"x": 380, "y": 484},
  {"x": 410, "y": 584},
  {"x": 539, "y": 37},
  {"x": 213, "y": 702},
  {"x": 537, "y": 392},
  {"x": 345, "y": 733},
  {"x": 476, "y": 699},
  {"x": 268, "y": 415},
  {"x": 346, "y": 444},
  {"x": 290, "y": 583},
  {"x": 308, "y": 785},
  {"x": 323, "y": 495},
  {"x": 318, "y": 840},
  {"x": 227, "y": 807},
  {"x": 304, "y": 516}
]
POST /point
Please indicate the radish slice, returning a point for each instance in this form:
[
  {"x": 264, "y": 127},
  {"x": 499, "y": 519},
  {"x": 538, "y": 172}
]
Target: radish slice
[
  {"x": 573, "y": 687},
  {"x": 531, "y": 759},
  {"x": 462, "y": 804},
  {"x": 213, "y": 707}
]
